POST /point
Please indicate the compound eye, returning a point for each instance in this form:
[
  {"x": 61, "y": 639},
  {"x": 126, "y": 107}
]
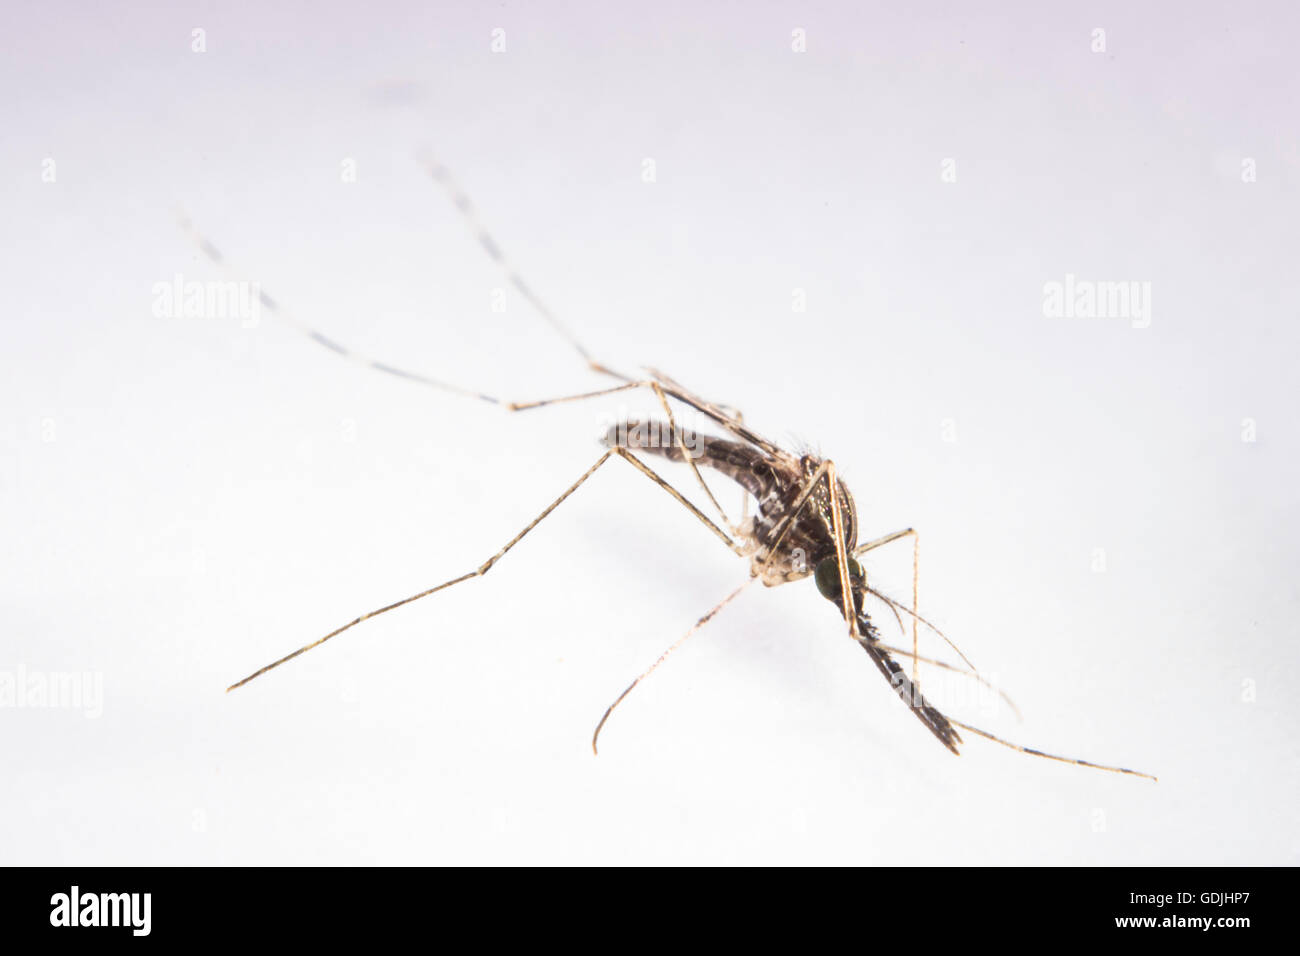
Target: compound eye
[{"x": 827, "y": 576}]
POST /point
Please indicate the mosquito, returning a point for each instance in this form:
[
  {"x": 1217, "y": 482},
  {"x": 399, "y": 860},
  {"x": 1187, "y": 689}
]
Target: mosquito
[{"x": 805, "y": 523}]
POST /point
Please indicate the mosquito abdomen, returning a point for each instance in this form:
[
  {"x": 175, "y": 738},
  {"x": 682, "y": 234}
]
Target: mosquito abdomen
[{"x": 741, "y": 463}]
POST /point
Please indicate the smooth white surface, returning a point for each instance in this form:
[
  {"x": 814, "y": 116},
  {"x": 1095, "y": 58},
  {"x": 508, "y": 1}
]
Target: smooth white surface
[{"x": 200, "y": 509}]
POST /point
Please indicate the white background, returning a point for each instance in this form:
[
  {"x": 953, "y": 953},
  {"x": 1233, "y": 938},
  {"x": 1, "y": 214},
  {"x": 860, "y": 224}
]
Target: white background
[{"x": 181, "y": 503}]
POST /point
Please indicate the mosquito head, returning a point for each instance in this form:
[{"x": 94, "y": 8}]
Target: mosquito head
[{"x": 827, "y": 577}]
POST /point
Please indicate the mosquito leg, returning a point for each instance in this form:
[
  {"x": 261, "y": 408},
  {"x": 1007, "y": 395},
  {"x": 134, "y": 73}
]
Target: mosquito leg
[
  {"x": 486, "y": 566},
  {"x": 916, "y": 578},
  {"x": 442, "y": 176},
  {"x": 664, "y": 656},
  {"x": 968, "y": 671},
  {"x": 841, "y": 552},
  {"x": 680, "y": 440},
  {"x": 977, "y": 676},
  {"x": 914, "y": 612},
  {"x": 744, "y": 495},
  {"x": 210, "y": 250},
  {"x": 663, "y": 393},
  {"x": 581, "y": 396},
  {"x": 938, "y": 723},
  {"x": 664, "y": 388},
  {"x": 872, "y": 545},
  {"x": 481, "y": 570},
  {"x": 278, "y": 311},
  {"x": 214, "y": 254},
  {"x": 680, "y": 498},
  {"x": 731, "y": 422},
  {"x": 861, "y": 628},
  {"x": 1038, "y": 753},
  {"x": 924, "y": 623},
  {"x": 728, "y": 418},
  {"x": 825, "y": 472},
  {"x": 964, "y": 672}
]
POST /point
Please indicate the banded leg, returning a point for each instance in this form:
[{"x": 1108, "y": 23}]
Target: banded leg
[
  {"x": 490, "y": 246},
  {"x": 943, "y": 726},
  {"x": 442, "y": 176},
  {"x": 662, "y": 386},
  {"x": 214, "y": 254},
  {"x": 1039, "y": 753},
  {"x": 277, "y": 311},
  {"x": 209, "y": 249},
  {"x": 487, "y": 565}
]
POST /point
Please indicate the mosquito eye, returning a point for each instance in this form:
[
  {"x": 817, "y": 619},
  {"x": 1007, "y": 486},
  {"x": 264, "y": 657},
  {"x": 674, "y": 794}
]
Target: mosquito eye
[{"x": 827, "y": 576}]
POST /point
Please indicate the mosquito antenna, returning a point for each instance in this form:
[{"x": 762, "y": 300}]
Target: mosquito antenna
[
  {"x": 897, "y": 616},
  {"x": 908, "y": 611},
  {"x": 1038, "y": 753},
  {"x": 664, "y": 656},
  {"x": 976, "y": 675}
]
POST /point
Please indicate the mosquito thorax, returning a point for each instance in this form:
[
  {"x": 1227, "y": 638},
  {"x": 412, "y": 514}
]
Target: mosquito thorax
[{"x": 827, "y": 576}]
